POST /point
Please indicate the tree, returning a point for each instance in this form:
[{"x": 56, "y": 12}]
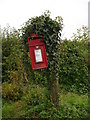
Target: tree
[{"x": 51, "y": 30}]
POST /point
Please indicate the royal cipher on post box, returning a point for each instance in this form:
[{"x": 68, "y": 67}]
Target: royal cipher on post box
[{"x": 37, "y": 52}]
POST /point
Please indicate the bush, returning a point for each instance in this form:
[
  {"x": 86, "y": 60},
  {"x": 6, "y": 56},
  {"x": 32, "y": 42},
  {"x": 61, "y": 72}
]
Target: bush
[
  {"x": 12, "y": 50},
  {"x": 40, "y": 78},
  {"x": 34, "y": 100},
  {"x": 73, "y": 70},
  {"x": 11, "y": 91},
  {"x": 13, "y": 110},
  {"x": 8, "y": 110},
  {"x": 35, "y": 95},
  {"x": 35, "y": 105}
]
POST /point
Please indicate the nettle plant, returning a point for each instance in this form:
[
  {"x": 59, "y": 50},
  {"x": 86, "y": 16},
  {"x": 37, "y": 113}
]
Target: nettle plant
[{"x": 51, "y": 31}]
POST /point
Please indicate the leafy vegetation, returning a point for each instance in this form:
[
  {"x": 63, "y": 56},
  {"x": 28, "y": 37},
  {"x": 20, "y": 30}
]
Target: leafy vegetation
[
  {"x": 51, "y": 31},
  {"x": 11, "y": 91},
  {"x": 73, "y": 63},
  {"x": 12, "y": 55},
  {"x": 33, "y": 105},
  {"x": 25, "y": 93}
]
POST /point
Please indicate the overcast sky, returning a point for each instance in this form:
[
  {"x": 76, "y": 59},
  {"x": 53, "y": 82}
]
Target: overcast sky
[{"x": 73, "y": 12}]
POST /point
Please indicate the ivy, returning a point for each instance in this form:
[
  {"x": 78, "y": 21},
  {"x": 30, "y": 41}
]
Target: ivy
[{"x": 51, "y": 30}]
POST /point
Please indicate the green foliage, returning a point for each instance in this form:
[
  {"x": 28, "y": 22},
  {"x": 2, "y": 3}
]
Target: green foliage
[
  {"x": 13, "y": 110},
  {"x": 0, "y": 109},
  {"x": 11, "y": 91},
  {"x": 0, "y": 57},
  {"x": 35, "y": 105},
  {"x": 7, "y": 111},
  {"x": 12, "y": 50},
  {"x": 34, "y": 95},
  {"x": 74, "y": 106},
  {"x": 73, "y": 70},
  {"x": 40, "y": 77},
  {"x": 51, "y": 30},
  {"x": 71, "y": 106},
  {"x": 34, "y": 100},
  {"x": 81, "y": 35}
]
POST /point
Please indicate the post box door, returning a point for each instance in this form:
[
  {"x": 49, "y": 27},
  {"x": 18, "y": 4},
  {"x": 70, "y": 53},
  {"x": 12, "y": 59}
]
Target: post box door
[
  {"x": 38, "y": 57},
  {"x": 37, "y": 53}
]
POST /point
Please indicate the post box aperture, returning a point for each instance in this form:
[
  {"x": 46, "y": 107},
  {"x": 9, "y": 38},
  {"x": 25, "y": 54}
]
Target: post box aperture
[{"x": 37, "y": 52}]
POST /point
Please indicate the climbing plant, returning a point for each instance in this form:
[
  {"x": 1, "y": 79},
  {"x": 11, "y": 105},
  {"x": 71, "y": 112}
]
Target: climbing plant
[{"x": 51, "y": 31}]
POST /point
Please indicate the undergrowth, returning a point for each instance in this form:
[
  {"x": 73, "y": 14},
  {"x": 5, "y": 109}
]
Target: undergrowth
[{"x": 34, "y": 104}]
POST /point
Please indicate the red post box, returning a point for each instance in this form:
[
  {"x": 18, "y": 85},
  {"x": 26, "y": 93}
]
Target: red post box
[{"x": 37, "y": 52}]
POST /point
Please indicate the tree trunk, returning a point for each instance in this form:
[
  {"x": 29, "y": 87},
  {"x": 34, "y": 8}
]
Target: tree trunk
[
  {"x": 53, "y": 88},
  {"x": 54, "y": 93}
]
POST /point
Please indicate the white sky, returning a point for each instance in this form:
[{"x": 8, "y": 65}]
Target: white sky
[{"x": 73, "y": 12}]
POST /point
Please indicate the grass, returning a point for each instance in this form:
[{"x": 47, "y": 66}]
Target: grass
[
  {"x": 74, "y": 105},
  {"x": 72, "y": 98},
  {"x": 71, "y": 106}
]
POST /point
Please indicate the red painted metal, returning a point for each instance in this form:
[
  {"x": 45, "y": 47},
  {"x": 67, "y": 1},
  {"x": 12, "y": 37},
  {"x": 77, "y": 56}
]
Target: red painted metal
[{"x": 37, "y": 52}]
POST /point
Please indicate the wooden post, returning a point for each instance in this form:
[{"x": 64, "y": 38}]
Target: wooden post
[
  {"x": 55, "y": 93},
  {"x": 53, "y": 90}
]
